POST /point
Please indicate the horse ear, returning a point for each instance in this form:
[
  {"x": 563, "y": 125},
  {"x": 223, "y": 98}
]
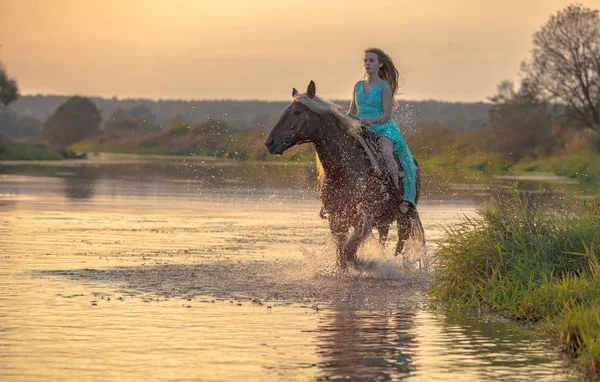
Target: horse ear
[
  {"x": 312, "y": 89},
  {"x": 294, "y": 92}
]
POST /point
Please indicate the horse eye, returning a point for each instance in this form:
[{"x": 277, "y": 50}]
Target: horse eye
[{"x": 296, "y": 112}]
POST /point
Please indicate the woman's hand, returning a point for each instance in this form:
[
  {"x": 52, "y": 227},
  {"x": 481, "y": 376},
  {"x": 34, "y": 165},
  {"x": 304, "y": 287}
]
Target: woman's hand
[{"x": 365, "y": 121}]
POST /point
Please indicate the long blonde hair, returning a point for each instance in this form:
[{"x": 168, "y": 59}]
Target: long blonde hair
[{"x": 387, "y": 71}]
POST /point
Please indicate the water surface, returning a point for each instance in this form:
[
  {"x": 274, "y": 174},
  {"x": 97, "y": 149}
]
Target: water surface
[{"x": 121, "y": 268}]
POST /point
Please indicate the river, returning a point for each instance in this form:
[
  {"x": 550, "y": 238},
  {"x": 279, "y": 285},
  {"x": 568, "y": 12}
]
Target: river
[{"x": 128, "y": 268}]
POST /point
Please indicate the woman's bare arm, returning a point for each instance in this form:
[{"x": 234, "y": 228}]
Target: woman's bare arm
[{"x": 353, "y": 109}]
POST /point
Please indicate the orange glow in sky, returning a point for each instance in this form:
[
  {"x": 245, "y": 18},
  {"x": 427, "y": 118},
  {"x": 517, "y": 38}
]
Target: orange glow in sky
[{"x": 260, "y": 49}]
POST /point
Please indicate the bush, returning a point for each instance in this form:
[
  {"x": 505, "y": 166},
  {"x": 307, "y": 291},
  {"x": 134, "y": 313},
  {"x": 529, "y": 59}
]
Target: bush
[
  {"x": 595, "y": 142},
  {"x": 526, "y": 263},
  {"x": 177, "y": 128},
  {"x": 583, "y": 165},
  {"x": 76, "y": 119},
  {"x": 32, "y": 151}
]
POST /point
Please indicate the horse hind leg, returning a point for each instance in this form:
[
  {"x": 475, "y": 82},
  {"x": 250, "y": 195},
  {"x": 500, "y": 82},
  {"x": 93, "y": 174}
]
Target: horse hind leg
[
  {"x": 407, "y": 225},
  {"x": 404, "y": 228},
  {"x": 420, "y": 230},
  {"x": 420, "y": 235}
]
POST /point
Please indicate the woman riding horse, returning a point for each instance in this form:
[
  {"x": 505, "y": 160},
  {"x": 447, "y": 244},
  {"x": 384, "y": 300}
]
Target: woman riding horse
[
  {"x": 372, "y": 101},
  {"x": 351, "y": 191}
]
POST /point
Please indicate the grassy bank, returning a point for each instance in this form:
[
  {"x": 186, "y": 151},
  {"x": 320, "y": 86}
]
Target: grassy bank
[
  {"x": 11, "y": 150},
  {"x": 467, "y": 153},
  {"x": 582, "y": 166},
  {"x": 530, "y": 265},
  {"x": 240, "y": 144},
  {"x": 441, "y": 152}
]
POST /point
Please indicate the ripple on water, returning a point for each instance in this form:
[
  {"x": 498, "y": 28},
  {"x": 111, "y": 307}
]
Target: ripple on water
[
  {"x": 277, "y": 279},
  {"x": 145, "y": 276}
]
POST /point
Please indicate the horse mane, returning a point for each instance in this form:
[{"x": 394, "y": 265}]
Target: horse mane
[
  {"x": 344, "y": 122},
  {"x": 322, "y": 106}
]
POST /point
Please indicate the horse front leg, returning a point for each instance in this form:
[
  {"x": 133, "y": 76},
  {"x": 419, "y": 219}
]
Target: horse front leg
[
  {"x": 361, "y": 231},
  {"x": 340, "y": 242},
  {"x": 339, "y": 230},
  {"x": 383, "y": 234}
]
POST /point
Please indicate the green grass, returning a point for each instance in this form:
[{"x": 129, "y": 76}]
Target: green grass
[
  {"x": 242, "y": 145},
  {"x": 531, "y": 265},
  {"x": 583, "y": 165},
  {"x": 442, "y": 153},
  {"x": 10, "y": 150}
]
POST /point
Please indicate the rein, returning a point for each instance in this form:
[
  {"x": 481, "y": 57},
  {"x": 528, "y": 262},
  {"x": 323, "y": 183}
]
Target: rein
[{"x": 368, "y": 150}]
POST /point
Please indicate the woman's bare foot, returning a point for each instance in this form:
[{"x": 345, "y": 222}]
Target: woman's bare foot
[{"x": 406, "y": 205}]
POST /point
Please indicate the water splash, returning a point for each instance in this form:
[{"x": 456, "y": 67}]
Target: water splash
[{"x": 375, "y": 261}]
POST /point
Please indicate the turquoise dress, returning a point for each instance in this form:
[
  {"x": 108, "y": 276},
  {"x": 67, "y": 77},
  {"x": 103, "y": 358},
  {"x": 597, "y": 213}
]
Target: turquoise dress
[{"x": 370, "y": 105}]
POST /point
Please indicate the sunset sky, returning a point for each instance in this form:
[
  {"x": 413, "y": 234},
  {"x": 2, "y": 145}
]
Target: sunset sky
[{"x": 242, "y": 49}]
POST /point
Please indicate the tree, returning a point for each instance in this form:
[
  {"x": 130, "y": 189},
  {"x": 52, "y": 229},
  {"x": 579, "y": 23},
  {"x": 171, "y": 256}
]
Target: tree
[
  {"x": 76, "y": 119},
  {"x": 521, "y": 122},
  {"x": 565, "y": 63},
  {"x": 15, "y": 127},
  {"x": 9, "y": 91},
  {"x": 29, "y": 126},
  {"x": 135, "y": 118}
]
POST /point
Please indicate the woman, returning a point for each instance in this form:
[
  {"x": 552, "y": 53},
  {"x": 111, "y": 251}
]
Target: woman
[{"x": 372, "y": 102}]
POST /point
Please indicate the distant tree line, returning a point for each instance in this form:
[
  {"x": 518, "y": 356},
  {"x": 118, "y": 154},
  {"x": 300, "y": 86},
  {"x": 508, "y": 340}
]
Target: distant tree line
[{"x": 259, "y": 115}]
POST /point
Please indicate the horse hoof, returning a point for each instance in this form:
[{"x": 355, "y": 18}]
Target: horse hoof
[
  {"x": 342, "y": 267},
  {"x": 364, "y": 265},
  {"x": 399, "y": 249}
]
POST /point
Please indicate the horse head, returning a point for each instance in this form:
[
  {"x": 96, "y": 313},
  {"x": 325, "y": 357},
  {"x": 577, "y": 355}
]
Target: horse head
[{"x": 295, "y": 125}]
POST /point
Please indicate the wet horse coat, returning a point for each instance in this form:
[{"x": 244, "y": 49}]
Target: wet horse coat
[{"x": 353, "y": 195}]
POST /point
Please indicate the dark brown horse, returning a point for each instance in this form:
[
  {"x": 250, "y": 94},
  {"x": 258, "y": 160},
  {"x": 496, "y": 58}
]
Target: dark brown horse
[{"x": 353, "y": 194}]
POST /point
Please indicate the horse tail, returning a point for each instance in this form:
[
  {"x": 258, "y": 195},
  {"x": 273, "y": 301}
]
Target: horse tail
[{"x": 417, "y": 182}]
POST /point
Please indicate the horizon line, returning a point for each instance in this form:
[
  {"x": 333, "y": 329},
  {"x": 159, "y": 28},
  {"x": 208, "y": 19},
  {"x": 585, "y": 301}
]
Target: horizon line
[{"x": 221, "y": 99}]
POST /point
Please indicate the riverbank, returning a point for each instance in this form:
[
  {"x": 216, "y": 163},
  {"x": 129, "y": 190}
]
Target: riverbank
[
  {"x": 228, "y": 144},
  {"x": 582, "y": 166},
  {"x": 447, "y": 156},
  {"x": 12, "y": 150},
  {"x": 449, "y": 162},
  {"x": 534, "y": 266}
]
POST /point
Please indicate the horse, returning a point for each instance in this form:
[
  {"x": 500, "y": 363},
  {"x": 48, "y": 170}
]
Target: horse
[{"x": 353, "y": 194}]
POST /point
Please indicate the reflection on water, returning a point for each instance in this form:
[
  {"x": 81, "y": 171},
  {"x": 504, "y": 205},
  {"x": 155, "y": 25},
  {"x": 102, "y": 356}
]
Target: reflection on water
[
  {"x": 423, "y": 346},
  {"x": 79, "y": 183},
  {"x": 179, "y": 174},
  {"x": 130, "y": 270},
  {"x": 358, "y": 345}
]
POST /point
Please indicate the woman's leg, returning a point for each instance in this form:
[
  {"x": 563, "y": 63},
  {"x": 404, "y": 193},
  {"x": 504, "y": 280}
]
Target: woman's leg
[
  {"x": 410, "y": 170},
  {"x": 387, "y": 149}
]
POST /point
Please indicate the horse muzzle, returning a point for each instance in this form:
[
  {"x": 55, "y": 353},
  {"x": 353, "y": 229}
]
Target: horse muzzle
[{"x": 278, "y": 148}]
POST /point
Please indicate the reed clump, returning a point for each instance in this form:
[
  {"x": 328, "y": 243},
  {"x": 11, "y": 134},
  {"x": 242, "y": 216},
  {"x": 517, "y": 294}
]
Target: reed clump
[{"x": 531, "y": 264}]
